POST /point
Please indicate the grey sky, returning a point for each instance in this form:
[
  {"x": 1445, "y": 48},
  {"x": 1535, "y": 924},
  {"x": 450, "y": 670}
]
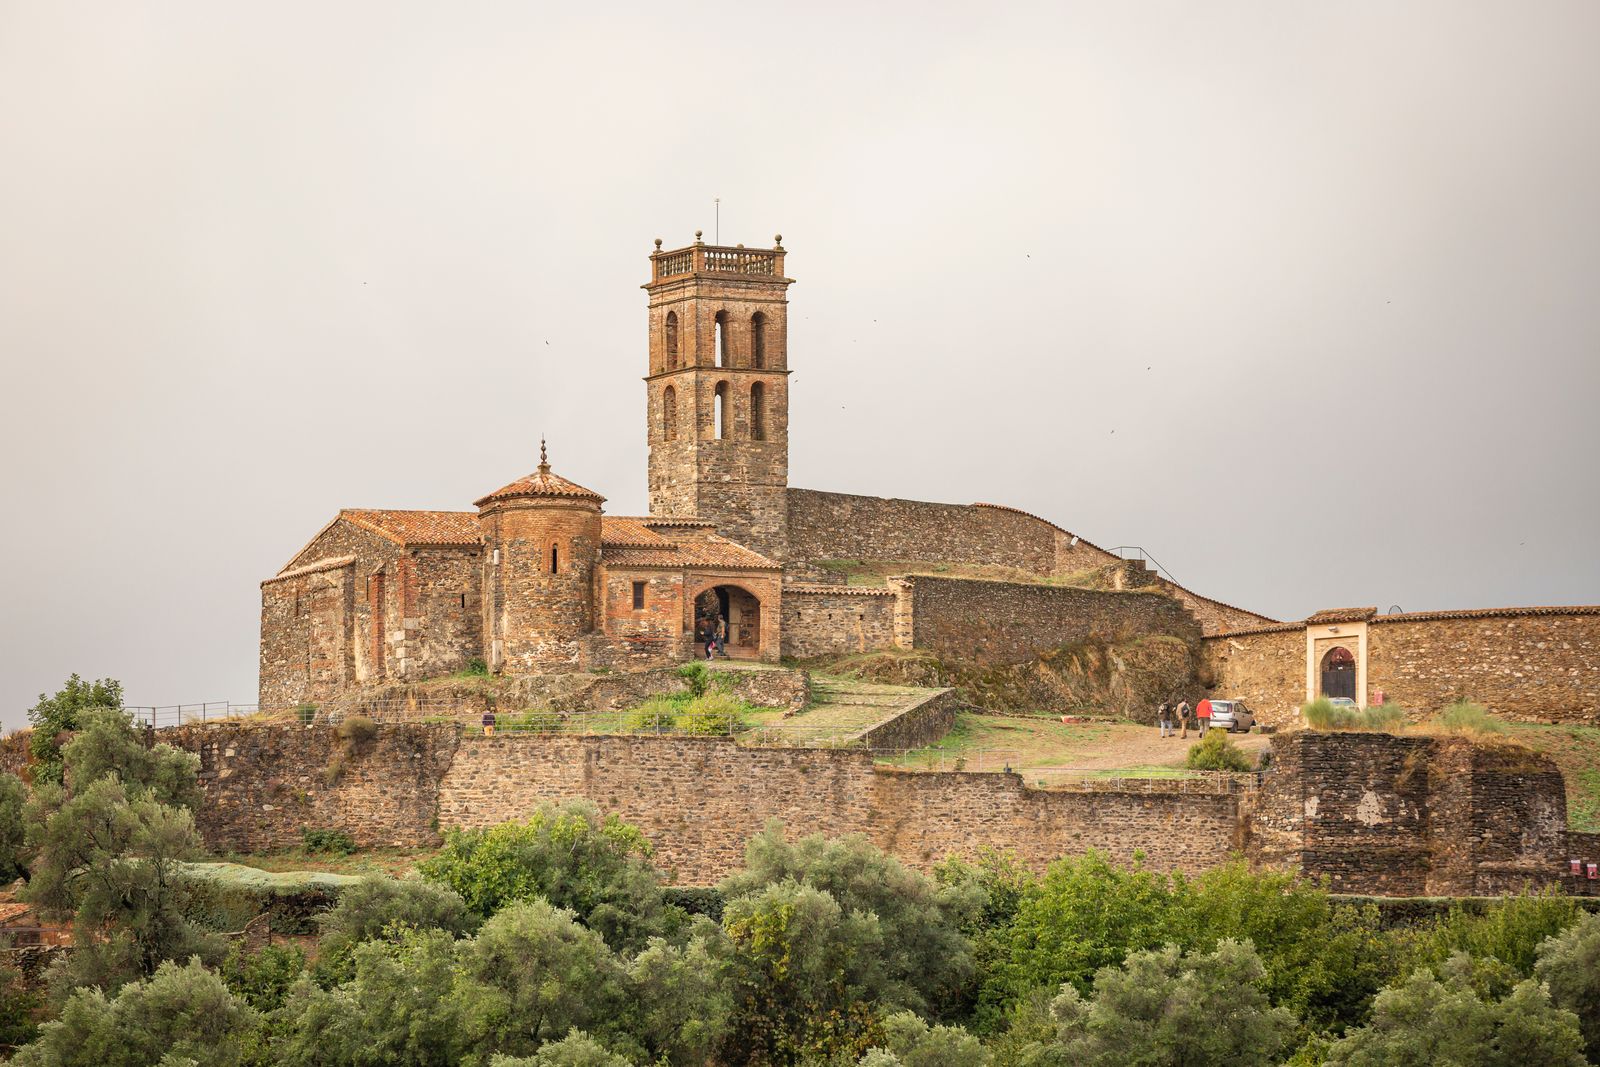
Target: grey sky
[{"x": 1300, "y": 297}]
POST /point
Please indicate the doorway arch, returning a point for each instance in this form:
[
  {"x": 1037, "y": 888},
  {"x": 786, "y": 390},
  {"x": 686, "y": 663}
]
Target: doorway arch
[
  {"x": 1338, "y": 671},
  {"x": 736, "y": 612}
]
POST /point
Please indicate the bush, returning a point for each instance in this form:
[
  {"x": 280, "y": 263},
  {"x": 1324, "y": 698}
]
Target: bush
[
  {"x": 356, "y": 730},
  {"x": 712, "y": 713},
  {"x": 534, "y": 720},
  {"x": 698, "y": 677},
  {"x": 382, "y": 908},
  {"x": 1217, "y": 752},
  {"x": 1324, "y": 714},
  {"x": 331, "y": 842},
  {"x": 477, "y": 667},
  {"x": 1465, "y": 717},
  {"x": 54, "y": 717},
  {"x": 1569, "y": 964},
  {"x": 306, "y": 714},
  {"x": 656, "y": 715}
]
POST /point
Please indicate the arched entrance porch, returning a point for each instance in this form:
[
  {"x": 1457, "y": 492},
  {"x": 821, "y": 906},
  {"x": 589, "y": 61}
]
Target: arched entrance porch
[
  {"x": 735, "y": 613},
  {"x": 1338, "y": 672}
]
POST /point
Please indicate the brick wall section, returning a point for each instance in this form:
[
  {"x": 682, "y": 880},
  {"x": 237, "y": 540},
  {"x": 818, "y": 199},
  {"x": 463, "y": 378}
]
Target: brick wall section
[
  {"x": 917, "y": 726},
  {"x": 836, "y": 620},
  {"x": 1536, "y": 666},
  {"x": 700, "y": 800},
  {"x": 1265, "y": 669},
  {"x": 1408, "y": 816},
  {"x": 845, "y": 526},
  {"x": 264, "y": 784},
  {"x": 992, "y": 623}
]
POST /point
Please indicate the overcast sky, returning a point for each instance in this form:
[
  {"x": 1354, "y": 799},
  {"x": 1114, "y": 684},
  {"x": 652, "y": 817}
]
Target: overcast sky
[{"x": 1300, "y": 297}]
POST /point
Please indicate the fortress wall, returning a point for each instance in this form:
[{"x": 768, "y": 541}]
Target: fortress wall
[
  {"x": 818, "y": 622},
  {"x": 1521, "y": 665},
  {"x": 920, "y": 725},
  {"x": 265, "y": 783},
  {"x": 845, "y": 526},
  {"x": 700, "y": 799},
  {"x": 995, "y": 623},
  {"x": 1266, "y": 670}
]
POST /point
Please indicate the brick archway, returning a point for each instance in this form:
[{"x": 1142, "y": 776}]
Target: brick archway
[{"x": 744, "y": 608}]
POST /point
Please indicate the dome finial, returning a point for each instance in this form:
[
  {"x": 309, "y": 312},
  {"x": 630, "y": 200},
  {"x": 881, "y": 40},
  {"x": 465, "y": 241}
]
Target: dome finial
[{"x": 544, "y": 457}]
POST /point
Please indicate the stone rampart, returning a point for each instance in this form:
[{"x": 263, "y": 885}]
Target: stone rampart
[
  {"x": 836, "y": 620},
  {"x": 920, "y": 725},
  {"x": 994, "y": 623},
  {"x": 846, "y": 526}
]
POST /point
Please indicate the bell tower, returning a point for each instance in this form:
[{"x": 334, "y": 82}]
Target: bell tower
[{"x": 718, "y": 389}]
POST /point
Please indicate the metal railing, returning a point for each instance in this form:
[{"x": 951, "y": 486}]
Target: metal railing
[
  {"x": 1137, "y": 552},
  {"x": 179, "y": 714}
]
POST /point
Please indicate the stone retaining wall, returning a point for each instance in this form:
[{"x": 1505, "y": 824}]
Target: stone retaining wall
[{"x": 920, "y": 725}]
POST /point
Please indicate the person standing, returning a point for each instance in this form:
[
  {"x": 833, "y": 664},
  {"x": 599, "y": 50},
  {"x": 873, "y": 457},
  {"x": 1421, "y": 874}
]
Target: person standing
[
  {"x": 1164, "y": 718},
  {"x": 1202, "y": 712},
  {"x": 1183, "y": 719},
  {"x": 722, "y": 636},
  {"x": 488, "y": 724}
]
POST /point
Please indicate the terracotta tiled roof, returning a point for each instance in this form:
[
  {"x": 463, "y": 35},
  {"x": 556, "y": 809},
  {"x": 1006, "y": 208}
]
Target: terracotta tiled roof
[
  {"x": 671, "y": 522},
  {"x": 1488, "y": 613},
  {"x": 312, "y": 568},
  {"x": 706, "y": 551},
  {"x": 13, "y": 912},
  {"x": 418, "y": 527},
  {"x": 542, "y": 482},
  {"x": 1323, "y": 618},
  {"x": 620, "y": 532}
]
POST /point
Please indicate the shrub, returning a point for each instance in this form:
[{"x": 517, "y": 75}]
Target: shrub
[
  {"x": 1324, "y": 714},
  {"x": 712, "y": 713},
  {"x": 331, "y": 842},
  {"x": 535, "y": 720},
  {"x": 698, "y": 677},
  {"x": 1569, "y": 964},
  {"x": 306, "y": 713},
  {"x": 1217, "y": 752},
  {"x": 476, "y": 667},
  {"x": 656, "y": 715},
  {"x": 1465, "y": 717},
  {"x": 383, "y": 908},
  {"x": 53, "y": 717},
  {"x": 357, "y": 730}
]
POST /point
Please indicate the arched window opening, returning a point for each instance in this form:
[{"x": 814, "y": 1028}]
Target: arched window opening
[
  {"x": 721, "y": 413},
  {"x": 669, "y": 413},
  {"x": 1339, "y": 673},
  {"x": 672, "y": 340},
  {"x": 758, "y": 412},
  {"x": 555, "y": 558},
  {"x": 758, "y": 340},
  {"x": 724, "y": 350}
]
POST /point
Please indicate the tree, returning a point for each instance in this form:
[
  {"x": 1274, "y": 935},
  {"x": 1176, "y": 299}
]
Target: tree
[
  {"x": 1165, "y": 1009},
  {"x": 566, "y": 854},
  {"x": 114, "y": 865},
  {"x": 397, "y": 1009},
  {"x": 181, "y": 1013},
  {"x": 926, "y": 961},
  {"x": 18, "y": 1006},
  {"x": 805, "y": 976},
  {"x": 383, "y": 907},
  {"x": 910, "y": 1042},
  {"x": 14, "y": 851},
  {"x": 683, "y": 1004},
  {"x": 1425, "y": 1021},
  {"x": 531, "y": 975},
  {"x": 54, "y": 717},
  {"x": 1084, "y": 914},
  {"x": 577, "y": 1049},
  {"x": 1569, "y": 964},
  {"x": 106, "y": 745}
]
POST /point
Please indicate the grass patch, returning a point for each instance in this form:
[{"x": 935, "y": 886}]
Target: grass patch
[
  {"x": 1324, "y": 714},
  {"x": 1466, "y": 718},
  {"x": 1575, "y": 749},
  {"x": 877, "y": 572}
]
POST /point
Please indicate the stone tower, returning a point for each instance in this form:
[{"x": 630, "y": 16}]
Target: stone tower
[
  {"x": 718, "y": 389},
  {"x": 541, "y": 545}
]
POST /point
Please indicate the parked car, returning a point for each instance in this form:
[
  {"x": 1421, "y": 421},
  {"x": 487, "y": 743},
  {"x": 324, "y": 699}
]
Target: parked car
[
  {"x": 1344, "y": 702},
  {"x": 1232, "y": 716}
]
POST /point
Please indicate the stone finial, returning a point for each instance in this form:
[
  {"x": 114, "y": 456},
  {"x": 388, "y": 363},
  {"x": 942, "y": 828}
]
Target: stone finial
[
  {"x": 697, "y": 235},
  {"x": 777, "y": 240},
  {"x": 658, "y": 244},
  {"x": 544, "y": 457}
]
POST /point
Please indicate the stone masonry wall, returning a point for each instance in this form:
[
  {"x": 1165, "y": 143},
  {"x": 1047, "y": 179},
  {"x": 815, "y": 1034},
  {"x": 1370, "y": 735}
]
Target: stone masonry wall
[
  {"x": 699, "y": 801},
  {"x": 993, "y": 623},
  {"x": 308, "y": 634},
  {"x": 264, "y": 784},
  {"x": 1543, "y": 666},
  {"x": 1266, "y": 670},
  {"x": 835, "y": 620},
  {"x": 845, "y": 526},
  {"x": 917, "y": 726}
]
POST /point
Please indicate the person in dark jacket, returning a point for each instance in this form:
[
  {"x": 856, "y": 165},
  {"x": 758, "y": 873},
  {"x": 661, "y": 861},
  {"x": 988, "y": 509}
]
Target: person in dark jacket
[
  {"x": 488, "y": 724},
  {"x": 1164, "y": 718}
]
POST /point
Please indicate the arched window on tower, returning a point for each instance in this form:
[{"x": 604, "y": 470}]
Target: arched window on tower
[
  {"x": 672, "y": 340},
  {"x": 669, "y": 414},
  {"x": 724, "y": 349},
  {"x": 722, "y": 415},
  {"x": 758, "y": 340},
  {"x": 555, "y": 558},
  {"x": 758, "y": 412}
]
